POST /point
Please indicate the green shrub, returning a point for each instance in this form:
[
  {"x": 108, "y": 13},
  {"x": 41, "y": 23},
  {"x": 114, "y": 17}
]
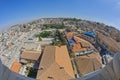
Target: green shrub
[{"x": 32, "y": 73}]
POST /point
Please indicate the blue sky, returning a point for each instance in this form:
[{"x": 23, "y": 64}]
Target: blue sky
[{"x": 19, "y": 11}]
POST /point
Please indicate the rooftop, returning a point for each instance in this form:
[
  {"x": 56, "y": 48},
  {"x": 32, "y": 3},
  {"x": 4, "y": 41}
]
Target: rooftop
[
  {"x": 30, "y": 55},
  {"x": 88, "y": 63},
  {"x": 90, "y": 34},
  {"x": 77, "y": 44},
  {"x": 16, "y": 67},
  {"x": 69, "y": 34},
  {"x": 81, "y": 44},
  {"x": 55, "y": 63}
]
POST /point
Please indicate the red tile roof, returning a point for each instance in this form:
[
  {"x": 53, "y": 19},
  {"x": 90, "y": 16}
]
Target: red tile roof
[
  {"x": 16, "y": 67},
  {"x": 88, "y": 63},
  {"x": 53, "y": 59},
  {"x": 80, "y": 44},
  {"x": 69, "y": 35},
  {"x": 30, "y": 55}
]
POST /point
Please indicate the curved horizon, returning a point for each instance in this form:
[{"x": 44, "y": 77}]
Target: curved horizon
[{"x": 15, "y": 12}]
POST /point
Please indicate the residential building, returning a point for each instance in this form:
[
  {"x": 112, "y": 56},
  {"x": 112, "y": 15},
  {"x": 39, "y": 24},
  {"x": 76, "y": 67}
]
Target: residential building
[
  {"x": 77, "y": 44},
  {"x": 28, "y": 56},
  {"x": 55, "y": 64},
  {"x": 69, "y": 35},
  {"x": 88, "y": 38},
  {"x": 7, "y": 74},
  {"x": 110, "y": 72},
  {"x": 32, "y": 46},
  {"x": 16, "y": 67},
  {"x": 88, "y": 63},
  {"x": 9, "y": 44}
]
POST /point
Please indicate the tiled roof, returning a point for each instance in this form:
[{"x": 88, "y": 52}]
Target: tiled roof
[
  {"x": 54, "y": 58},
  {"x": 76, "y": 47},
  {"x": 80, "y": 45},
  {"x": 88, "y": 63},
  {"x": 83, "y": 42},
  {"x": 55, "y": 72},
  {"x": 7, "y": 74},
  {"x": 110, "y": 43},
  {"x": 30, "y": 55},
  {"x": 77, "y": 39},
  {"x": 69, "y": 34},
  {"x": 63, "y": 60},
  {"x": 16, "y": 67},
  {"x": 48, "y": 58}
]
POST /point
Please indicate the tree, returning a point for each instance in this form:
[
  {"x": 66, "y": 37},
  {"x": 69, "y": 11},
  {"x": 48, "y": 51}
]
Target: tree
[
  {"x": 46, "y": 34},
  {"x": 38, "y": 36},
  {"x": 59, "y": 35},
  {"x": 56, "y": 43}
]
